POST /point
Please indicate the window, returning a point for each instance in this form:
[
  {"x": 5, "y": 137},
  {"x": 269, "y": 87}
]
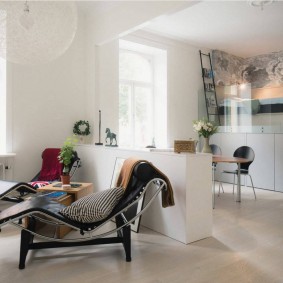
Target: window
[
  {"x": 2, "y": 105},
  {"x": 138, "y": 96}
]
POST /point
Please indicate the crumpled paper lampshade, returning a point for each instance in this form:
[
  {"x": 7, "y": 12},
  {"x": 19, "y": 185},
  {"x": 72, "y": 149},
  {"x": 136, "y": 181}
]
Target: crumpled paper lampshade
[{"x": 36, "y": 32}]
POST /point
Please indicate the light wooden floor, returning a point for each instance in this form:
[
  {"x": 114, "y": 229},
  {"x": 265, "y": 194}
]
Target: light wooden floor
[{"x": 247, "y": 246}]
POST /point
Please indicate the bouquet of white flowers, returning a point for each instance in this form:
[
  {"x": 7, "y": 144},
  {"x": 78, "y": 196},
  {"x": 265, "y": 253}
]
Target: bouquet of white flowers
[{"x": 204, "y": 128}]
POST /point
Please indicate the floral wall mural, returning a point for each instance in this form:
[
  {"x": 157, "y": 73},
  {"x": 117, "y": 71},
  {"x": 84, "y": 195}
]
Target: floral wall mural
[{"x": 261, "y": 71}]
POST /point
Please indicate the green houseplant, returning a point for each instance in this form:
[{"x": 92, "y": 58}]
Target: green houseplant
[{"x": 65, "y": 156}]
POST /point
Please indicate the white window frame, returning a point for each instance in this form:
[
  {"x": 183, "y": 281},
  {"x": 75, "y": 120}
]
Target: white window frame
[
  {"x": 134, "y": 84},
  {"x": 3, "y": 106}
]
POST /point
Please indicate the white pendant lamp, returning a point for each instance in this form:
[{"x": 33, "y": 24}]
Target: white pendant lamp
[{"x": 36, "y": 32}]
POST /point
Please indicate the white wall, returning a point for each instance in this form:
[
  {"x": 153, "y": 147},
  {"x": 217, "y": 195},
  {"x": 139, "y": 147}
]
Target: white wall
[
  {"x": 47, "y": 100},
  {"x": 183, "y": 84},
  {"x": 107, "y": 87}
]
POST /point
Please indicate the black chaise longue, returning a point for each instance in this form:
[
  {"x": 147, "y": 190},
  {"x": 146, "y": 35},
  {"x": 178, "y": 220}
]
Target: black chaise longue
[{"x": 142, "y": 177}]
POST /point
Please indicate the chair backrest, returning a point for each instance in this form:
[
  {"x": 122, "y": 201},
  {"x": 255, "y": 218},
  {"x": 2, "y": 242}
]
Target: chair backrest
[
  {"x": 215, "y": 149},
  {"x": 51, "y": 169},
  {"x": 141, "y": 175},
  {"x": 245, "y": 152},
  {"x": 75, "y": 163}
]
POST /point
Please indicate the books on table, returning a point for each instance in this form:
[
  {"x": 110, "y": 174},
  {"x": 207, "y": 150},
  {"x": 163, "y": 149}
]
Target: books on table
[{"x": 55, "y": 195}]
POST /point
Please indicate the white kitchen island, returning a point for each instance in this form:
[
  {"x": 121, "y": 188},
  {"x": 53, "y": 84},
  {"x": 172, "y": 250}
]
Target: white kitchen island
[{"x": 190, "y": 219}]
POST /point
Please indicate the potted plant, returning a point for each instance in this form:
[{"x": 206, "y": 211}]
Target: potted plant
[
  {"x": 65, "y": 156},
  {"x": 206, "y": 129}
]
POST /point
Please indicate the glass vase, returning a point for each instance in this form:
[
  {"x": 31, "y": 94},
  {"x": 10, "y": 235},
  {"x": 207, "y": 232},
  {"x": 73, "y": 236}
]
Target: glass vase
[{"x": 206, "y": 147}]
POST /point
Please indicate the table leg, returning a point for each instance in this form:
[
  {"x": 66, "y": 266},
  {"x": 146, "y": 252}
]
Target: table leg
[
  {"x": 239, "y": 183},
  {"x": 213, "y": 184}
]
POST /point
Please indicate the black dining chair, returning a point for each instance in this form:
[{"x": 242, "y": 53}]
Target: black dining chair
[
  {"x": 215, "y": 149},
  {"x": 243, "y": 152}
]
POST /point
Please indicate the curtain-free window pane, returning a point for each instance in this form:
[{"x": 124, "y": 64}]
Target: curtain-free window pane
[
  {"x": 135, "y": 67},
  {"x": 143, "y": 131},
  {"x": 125, "y": 123},
  {"x": 2, "y": 105}
]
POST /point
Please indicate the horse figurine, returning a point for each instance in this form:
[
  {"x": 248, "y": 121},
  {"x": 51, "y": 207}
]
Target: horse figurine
[{"x": 111, "y": 137}]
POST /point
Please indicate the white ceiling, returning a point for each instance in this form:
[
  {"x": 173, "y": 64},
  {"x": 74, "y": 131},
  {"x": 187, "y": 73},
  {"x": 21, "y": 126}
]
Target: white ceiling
[
  {"x": 231, "y": 26},
  {"x": 96, "y": 6}
]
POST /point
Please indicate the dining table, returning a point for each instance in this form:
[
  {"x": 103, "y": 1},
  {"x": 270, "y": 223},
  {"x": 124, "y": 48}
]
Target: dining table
[{"x": 229, "y": 159}]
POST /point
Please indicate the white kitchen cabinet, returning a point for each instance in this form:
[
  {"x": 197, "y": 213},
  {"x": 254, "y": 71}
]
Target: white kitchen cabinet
[
  {"x": 267, "y": 168},
  {"x": 262, "y": 169},
  {"x": 278, "y": 162}
]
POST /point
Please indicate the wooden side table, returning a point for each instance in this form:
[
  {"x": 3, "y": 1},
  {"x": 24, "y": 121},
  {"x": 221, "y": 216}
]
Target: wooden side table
[
  {"x": 73, "y": 194},
  {"x": 61, "y": 231},
  {"x": 76, "y": 193}
]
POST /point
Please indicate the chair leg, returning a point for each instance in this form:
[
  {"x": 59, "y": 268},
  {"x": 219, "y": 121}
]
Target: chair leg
[
  {"x": 220, "y": 185},
  {"x": 125, "y": 234},
  {"x": 127, "y": 242},
  {"x": 26, "y": 240},
  {"x": 213, "y": 187},
  {"x": 252, "y": 185},
  {"x": 233, "y": 183}
]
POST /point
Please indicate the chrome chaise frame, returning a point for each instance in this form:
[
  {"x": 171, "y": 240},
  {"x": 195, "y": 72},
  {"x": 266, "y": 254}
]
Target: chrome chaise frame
[{"x": 123, "y": 229}]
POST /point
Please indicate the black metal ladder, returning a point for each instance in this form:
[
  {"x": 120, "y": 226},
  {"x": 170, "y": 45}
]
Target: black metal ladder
[{"x": 211, "y": 103}]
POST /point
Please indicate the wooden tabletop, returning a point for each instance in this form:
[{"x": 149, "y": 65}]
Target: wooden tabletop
[
  {"x": 51, "y": 187},
  {"x": 228, "y": 159}
]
